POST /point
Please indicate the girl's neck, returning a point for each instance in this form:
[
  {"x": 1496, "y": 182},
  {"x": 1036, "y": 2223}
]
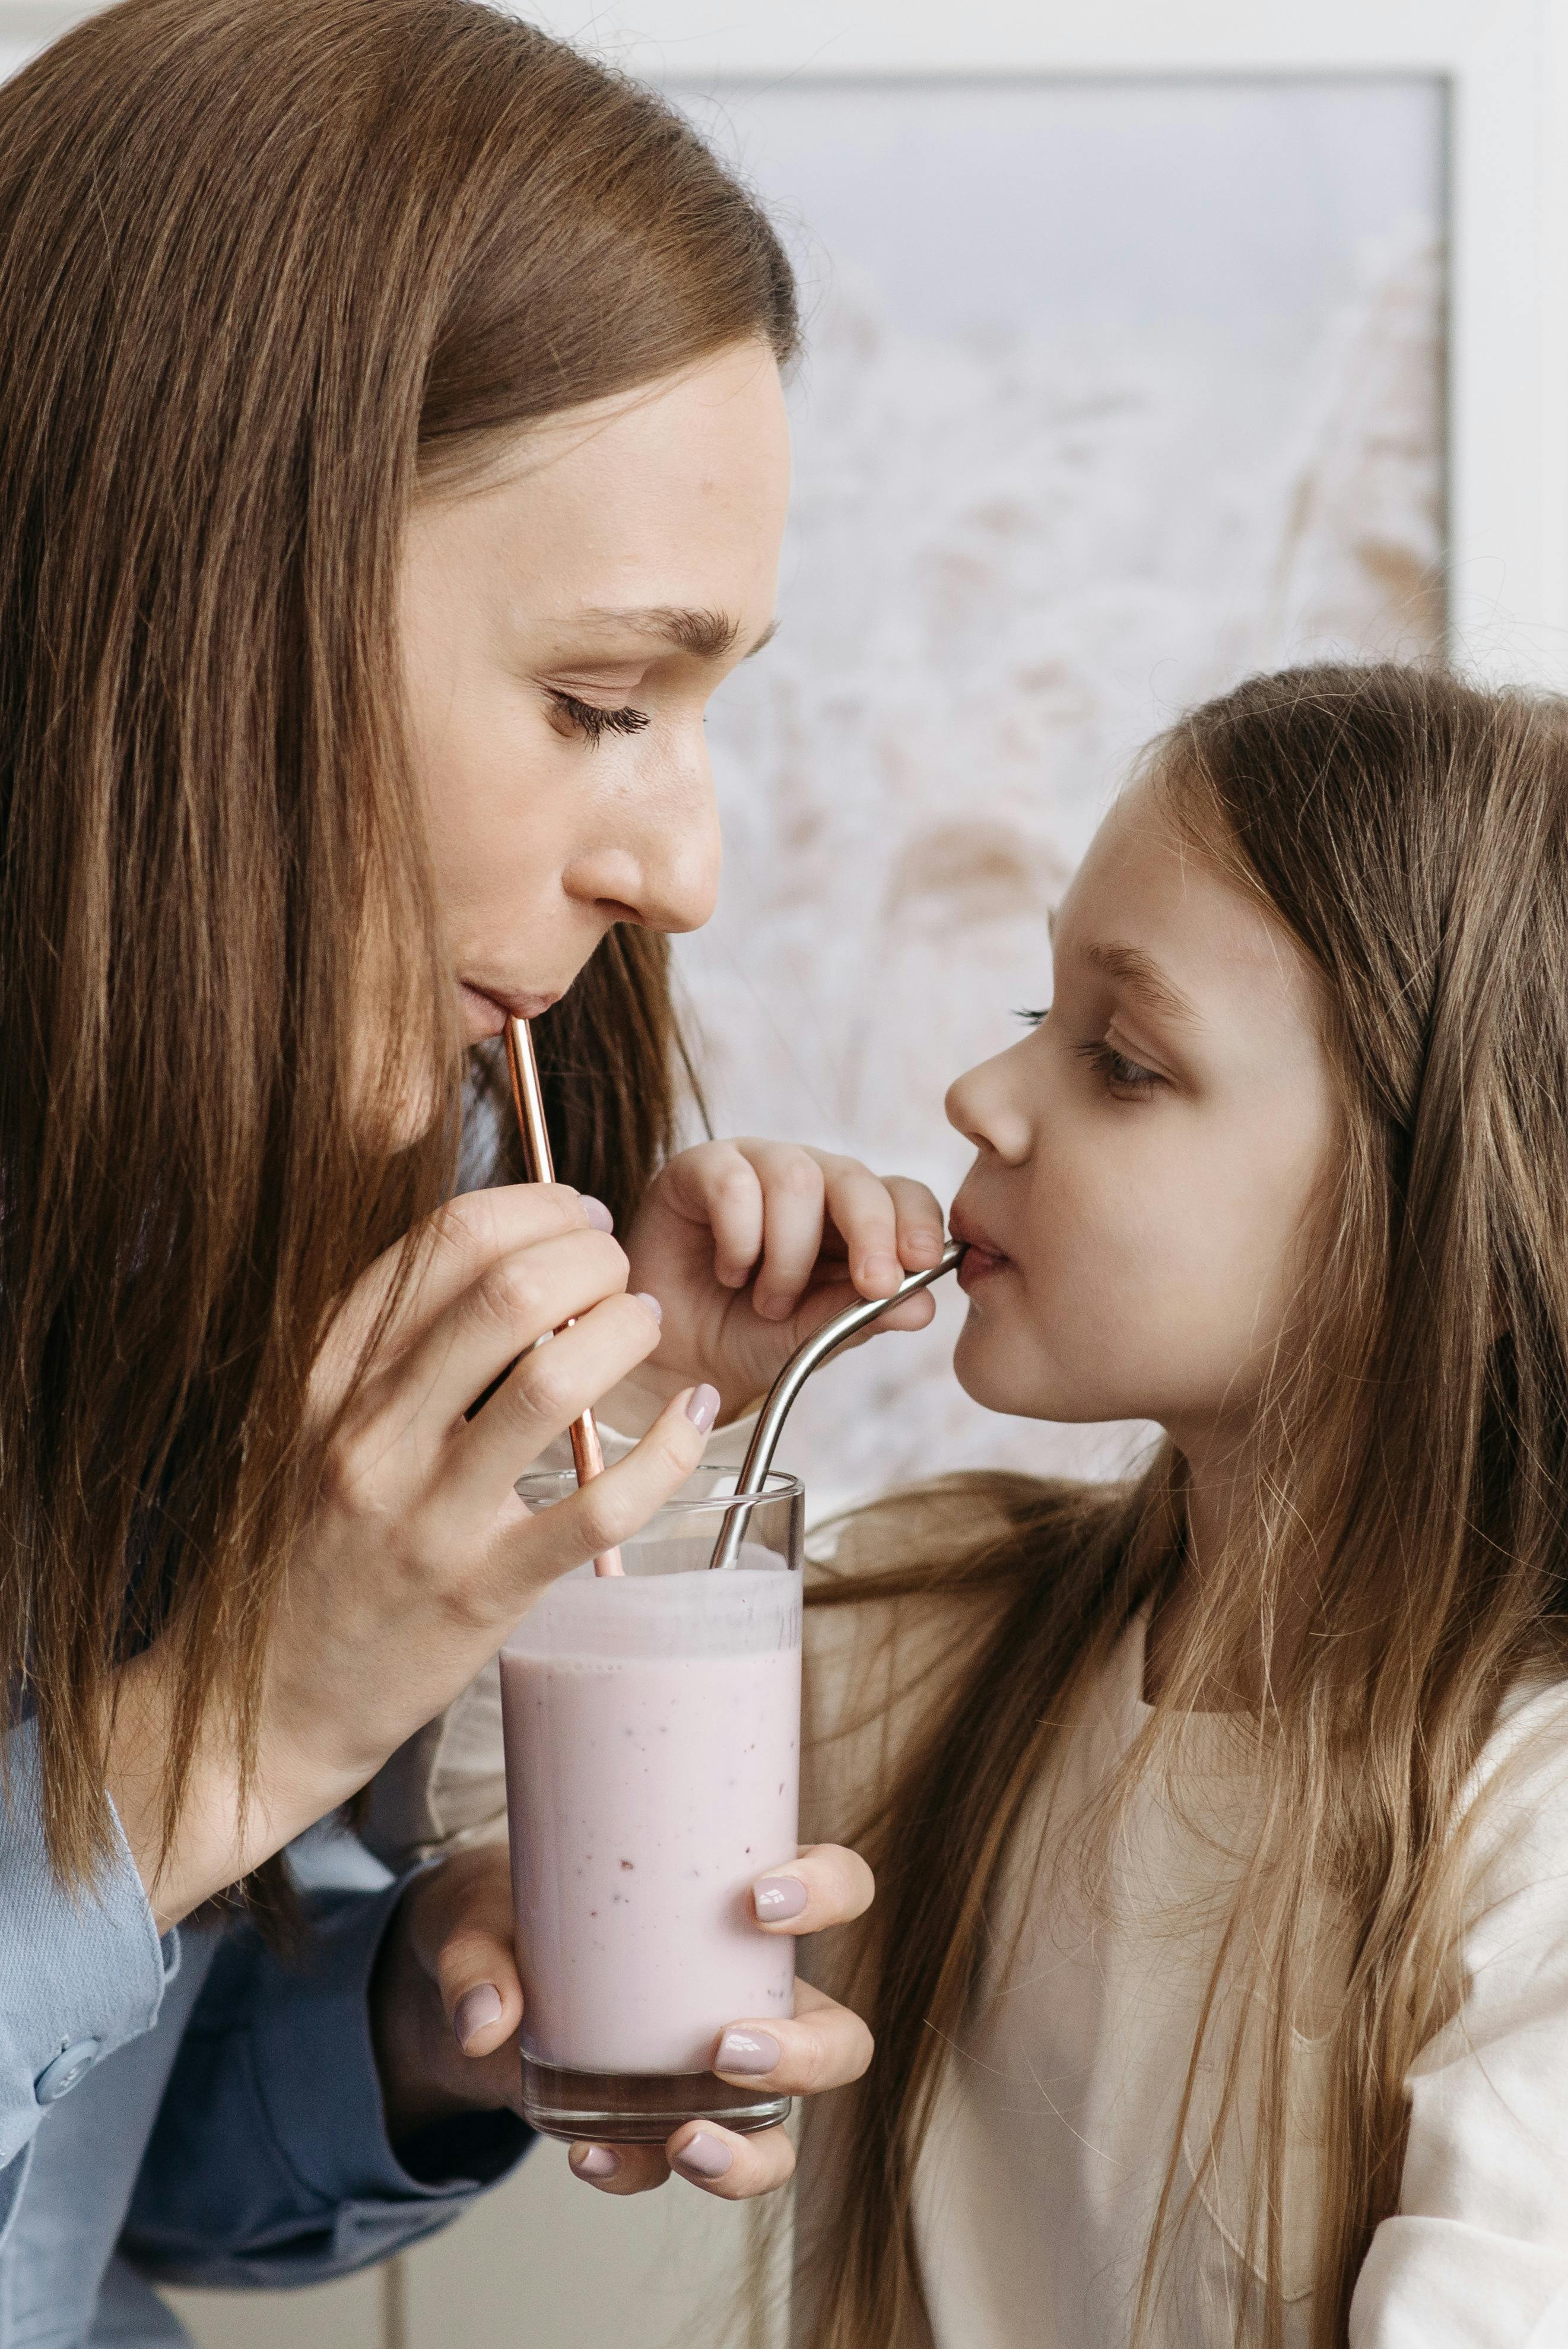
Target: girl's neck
[{"x": 1217, "y": 1511}]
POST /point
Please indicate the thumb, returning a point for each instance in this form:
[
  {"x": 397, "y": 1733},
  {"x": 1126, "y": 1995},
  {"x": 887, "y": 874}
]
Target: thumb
[{"x": 476, "y": 1974}]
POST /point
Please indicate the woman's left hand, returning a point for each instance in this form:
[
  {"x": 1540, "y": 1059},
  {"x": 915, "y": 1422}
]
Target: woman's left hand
[
  {"x": 446, "y": 2003},
  {"x": 749, "y": 1245}
]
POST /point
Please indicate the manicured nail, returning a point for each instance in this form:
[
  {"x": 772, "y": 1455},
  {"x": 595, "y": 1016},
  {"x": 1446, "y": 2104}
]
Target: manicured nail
[
  {"x": 703, "y": 1408},
  {"x": 775, "y": 1897},
  {"x": 597, "y": 2162},
  {"x": 598, "y": 1214},
  {"x": 703, "y": 2156},
  {"x": 746, "y": 2051},
  {"x": 475, "y": 2009},
  {"x": 654, "y": 1308}
]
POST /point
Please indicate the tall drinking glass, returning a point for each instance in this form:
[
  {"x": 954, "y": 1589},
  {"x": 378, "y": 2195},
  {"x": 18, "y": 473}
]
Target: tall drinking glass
[{"x": 653, "y": 1750}]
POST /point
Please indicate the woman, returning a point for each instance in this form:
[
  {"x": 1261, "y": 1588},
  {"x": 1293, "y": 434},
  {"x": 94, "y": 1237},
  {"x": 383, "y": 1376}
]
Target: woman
[{"x": 392, "y": 462}]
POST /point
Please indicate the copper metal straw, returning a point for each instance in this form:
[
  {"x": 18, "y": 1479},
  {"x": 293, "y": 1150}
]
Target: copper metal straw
[
  {"x": 792, "y": 1378},
  {"x": 527, "y": 1098}
]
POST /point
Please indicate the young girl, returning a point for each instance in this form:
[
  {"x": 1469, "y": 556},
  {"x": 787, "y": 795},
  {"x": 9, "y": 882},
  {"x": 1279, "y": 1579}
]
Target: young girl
[{"x": 1220, "y": 1967}]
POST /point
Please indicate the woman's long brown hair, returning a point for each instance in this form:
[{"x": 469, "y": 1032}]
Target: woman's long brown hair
[
  {"x": 266, "y": 266},
  {"x": 1411, "y": 833}
]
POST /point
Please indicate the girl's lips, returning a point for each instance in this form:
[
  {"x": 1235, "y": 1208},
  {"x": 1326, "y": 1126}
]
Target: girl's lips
[{"x": 978, "y": 1264}]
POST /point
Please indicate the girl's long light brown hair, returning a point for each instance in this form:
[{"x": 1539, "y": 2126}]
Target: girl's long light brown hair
[
  {"x": 266, "y": 266},
  {"x": 1411, "y": 833}
]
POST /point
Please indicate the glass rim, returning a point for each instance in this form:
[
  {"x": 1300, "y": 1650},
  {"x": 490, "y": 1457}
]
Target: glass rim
[{"x": 778, "y": 1484}]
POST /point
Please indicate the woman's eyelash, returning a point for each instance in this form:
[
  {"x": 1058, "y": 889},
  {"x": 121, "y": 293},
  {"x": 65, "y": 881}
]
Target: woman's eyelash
[
  {"x": 1120, "y": 1074},
  {"x": 1032, "y": 1018},
  {"x": 593, "y": 723}
]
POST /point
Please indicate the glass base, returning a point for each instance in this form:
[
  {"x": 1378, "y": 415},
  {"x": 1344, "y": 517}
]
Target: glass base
[{"x": 639, "y": 2107}]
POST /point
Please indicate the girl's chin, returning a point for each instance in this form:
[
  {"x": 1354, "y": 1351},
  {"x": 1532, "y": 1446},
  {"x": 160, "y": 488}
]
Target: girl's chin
[{"x": 1002, "y": 1374}]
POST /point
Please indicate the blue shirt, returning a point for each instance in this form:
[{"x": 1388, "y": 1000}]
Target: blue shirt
[{"x": 195, "y": 2109}]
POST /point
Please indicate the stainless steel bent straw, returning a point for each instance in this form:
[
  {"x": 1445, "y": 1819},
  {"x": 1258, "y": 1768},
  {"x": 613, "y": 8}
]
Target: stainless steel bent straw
[{"x": 793, "y": 1377}]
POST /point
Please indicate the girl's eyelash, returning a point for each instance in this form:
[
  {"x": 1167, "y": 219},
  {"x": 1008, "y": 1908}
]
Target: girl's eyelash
[
  {"x": 1032, "y": 1018},
  {"x": 593, "y": 723},
  {"x": 1121, "y": 1075}
]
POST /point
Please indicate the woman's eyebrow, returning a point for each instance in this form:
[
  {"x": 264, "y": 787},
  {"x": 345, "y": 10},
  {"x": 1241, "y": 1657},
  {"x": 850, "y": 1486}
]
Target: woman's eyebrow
[
  {"x": 1141, "y": 975},
  {"x": 706, "y": 635}
]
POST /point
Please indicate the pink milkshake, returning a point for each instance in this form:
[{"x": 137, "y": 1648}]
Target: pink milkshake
[{"x": 653, "y": 1765}]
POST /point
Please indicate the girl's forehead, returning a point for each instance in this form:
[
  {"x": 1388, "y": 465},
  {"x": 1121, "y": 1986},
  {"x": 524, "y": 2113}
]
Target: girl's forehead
[{"x": 1145, "y": 889}]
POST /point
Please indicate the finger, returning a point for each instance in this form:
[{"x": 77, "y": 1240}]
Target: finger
[
  {"x": 427, "y": 1270},
  {"x": 620, "y": 2168},
  {"x": 717, "y": 1186},
  {"x": 515, "y": 1301},
  {"x": 823, "y": 2046},
  {"x": 475, "y": 1972},
  {"x": 794, "y": 1196},
  {"x": 826, "y": 1886},
  {"x": 731, "y": 2166},
  {"x": 862, "y": 1209},
  {"x": 922, "y": 1225},
  {"x": 607, "y": 1511},
  {"x": 547, "y": 1388}
]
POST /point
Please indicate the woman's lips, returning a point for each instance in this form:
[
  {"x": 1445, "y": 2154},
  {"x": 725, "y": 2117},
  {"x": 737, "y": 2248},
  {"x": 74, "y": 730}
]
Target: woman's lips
[{"x": 485, "y": 1014}]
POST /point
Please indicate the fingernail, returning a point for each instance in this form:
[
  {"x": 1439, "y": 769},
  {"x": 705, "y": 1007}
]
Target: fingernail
[
  {"x": 597, "y": 2162},
  {"x": 475, "y": 2009},
  {"x": 598, "y": 1215},
  {"x": 746, "y": 2051},
  {"x": 881, "y": 1273},
  {"x": 654, "y": 1308},
  {"x": 775, "y": 1897},
  {"x": 703, "y": 2156},
  {"x": 703, "y": 1409}
]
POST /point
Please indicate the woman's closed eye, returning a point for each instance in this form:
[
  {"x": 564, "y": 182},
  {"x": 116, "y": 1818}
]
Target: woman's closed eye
[{"x": 586, "y": 719}]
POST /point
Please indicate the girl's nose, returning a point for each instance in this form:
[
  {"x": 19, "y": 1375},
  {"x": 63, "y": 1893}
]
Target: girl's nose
[
  {"x": 987, "y": 1108},
  {"x": 658, "y": 858}
]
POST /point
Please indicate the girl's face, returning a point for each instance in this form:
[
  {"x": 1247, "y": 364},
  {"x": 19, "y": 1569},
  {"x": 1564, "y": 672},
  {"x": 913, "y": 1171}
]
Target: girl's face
[
  {"x": 1146, "y": 1155},
  {"x": 563, "y": 627}
]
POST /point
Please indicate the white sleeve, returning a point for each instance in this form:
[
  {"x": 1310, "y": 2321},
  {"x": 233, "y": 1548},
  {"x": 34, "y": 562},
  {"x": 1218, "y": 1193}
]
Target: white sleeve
[{"x": 1477, "y": 2255}]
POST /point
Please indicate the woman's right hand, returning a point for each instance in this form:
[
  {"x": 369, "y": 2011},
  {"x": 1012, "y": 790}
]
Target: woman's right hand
[{"x": 420, "y": 1557}]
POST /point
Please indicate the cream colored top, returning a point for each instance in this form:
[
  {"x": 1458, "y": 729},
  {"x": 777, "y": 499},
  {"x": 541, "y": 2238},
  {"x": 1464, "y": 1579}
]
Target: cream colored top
[{"x": 1037, "y": 2188}]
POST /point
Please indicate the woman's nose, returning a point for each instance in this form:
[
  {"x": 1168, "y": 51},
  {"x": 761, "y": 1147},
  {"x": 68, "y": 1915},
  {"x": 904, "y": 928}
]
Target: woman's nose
[
  {"x": 658, "y": 857},
  {"x": 986, "y": 1109}
]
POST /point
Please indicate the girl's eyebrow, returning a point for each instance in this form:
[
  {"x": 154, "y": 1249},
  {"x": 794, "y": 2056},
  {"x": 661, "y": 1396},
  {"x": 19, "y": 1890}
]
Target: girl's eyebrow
[{"x": 1142, "y": 977}]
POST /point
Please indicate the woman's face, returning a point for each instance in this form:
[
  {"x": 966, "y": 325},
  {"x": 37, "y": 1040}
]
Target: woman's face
[
  {"x": 563, "y": 627},
  {"x": 1147, "y": 1156}
]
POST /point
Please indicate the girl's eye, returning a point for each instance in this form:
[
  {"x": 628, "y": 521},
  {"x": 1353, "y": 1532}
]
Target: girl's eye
[
  {"x": 1126, "y": 1079},
  {"x": 586, "y": 719}
]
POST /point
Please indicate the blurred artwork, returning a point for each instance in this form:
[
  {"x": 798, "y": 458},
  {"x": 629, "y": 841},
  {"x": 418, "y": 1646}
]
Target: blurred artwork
[{"x": 1113, "y": 393}]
